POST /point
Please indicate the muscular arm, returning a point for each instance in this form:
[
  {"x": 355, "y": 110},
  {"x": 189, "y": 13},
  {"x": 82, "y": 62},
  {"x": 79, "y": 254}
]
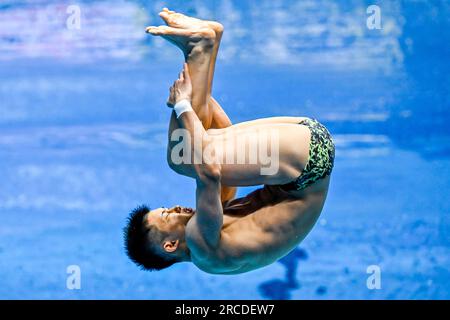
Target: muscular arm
[
  {"x": 208, "y": 219},
  {"x": 197, "y": 164},
  {"x": 219, "y": 120}
]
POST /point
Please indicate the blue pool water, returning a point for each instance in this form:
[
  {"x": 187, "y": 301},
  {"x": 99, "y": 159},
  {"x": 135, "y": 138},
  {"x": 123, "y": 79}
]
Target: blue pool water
[{"x": 83, "y": 130}]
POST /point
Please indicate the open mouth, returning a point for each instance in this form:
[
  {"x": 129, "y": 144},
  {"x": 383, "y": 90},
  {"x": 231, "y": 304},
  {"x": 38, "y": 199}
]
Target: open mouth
[{"x": 183, "y": 210}]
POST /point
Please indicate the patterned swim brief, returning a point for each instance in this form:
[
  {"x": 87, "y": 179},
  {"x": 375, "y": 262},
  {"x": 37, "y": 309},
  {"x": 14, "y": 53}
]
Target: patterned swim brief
[{"x": 321, "y": 156}]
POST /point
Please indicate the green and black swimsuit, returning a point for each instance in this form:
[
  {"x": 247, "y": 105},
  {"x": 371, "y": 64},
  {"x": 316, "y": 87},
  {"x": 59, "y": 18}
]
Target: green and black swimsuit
[{"x": 321, "y": 156}]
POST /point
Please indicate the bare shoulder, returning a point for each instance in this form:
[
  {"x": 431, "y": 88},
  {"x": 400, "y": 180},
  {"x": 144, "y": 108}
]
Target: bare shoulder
[
  {"x": 194, "y": 239},
  {"x": 198, "y": 246},
  {"x": 217, "y": 260}
]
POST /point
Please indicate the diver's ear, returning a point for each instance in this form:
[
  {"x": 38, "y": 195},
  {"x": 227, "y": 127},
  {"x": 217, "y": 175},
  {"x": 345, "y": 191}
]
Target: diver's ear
[{"x": 171, "y": 246}]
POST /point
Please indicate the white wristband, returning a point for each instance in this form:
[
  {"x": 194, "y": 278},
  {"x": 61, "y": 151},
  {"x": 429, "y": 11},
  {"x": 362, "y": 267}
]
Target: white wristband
[{"x": 181, "y": 107}]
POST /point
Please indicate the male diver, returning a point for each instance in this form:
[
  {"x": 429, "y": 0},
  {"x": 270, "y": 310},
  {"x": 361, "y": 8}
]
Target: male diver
[{"x": 224, "y": 235}]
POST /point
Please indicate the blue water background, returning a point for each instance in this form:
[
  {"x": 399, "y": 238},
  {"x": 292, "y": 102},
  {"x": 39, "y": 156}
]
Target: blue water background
[{"x": 83, "y": 131}]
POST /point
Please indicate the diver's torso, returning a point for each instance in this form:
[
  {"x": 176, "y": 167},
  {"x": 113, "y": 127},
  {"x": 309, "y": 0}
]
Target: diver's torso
[{"x": 263, "y": 227}]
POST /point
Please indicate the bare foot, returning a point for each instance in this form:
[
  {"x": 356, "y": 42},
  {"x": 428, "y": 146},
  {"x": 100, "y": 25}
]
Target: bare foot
[
  {"x": 179, "y": 20},
  {"x": 185, "y": 39}
]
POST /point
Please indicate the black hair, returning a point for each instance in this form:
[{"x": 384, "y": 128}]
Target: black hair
[{"x": 138, "y": 240}]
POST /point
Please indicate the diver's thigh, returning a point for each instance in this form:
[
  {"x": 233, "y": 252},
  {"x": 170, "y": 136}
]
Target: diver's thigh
[
  {"x": 269, "y": 120},
  {"x": 262, "y": 153}
]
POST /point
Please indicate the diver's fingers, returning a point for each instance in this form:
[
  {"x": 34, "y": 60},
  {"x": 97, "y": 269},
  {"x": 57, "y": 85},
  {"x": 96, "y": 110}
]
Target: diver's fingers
[{"x": 186, "y": 72}]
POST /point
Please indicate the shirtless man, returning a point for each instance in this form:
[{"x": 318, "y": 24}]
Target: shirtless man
[{"x": 225, "y": 235}]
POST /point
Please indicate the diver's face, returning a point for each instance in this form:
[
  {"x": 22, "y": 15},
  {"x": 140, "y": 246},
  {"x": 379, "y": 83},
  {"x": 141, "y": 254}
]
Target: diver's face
[{"x": 170, "y": 220}]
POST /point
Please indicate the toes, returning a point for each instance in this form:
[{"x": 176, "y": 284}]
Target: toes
[
  {"x": 165, "y": 16},
  {"x": 158, "y": 31},
  {"x": 172, "y": 34},
  {"x": 153, "y": 30},
  {"x": 167, "y": 10},
  {"x": 170, "y": 19},
  {"x": 177, "y": 16},
  {"x": 149, "y": 29},
  {"x": 166, "y": 30}
]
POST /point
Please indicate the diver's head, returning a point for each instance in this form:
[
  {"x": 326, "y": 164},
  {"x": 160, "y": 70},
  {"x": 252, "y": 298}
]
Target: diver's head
[{"x": 155, "y": 239}]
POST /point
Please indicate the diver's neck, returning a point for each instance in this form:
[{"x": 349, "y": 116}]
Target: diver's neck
[{"x": 185, "y": 253}]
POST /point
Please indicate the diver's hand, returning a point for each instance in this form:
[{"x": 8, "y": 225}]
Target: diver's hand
[{"x": 181, "y": 88}]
